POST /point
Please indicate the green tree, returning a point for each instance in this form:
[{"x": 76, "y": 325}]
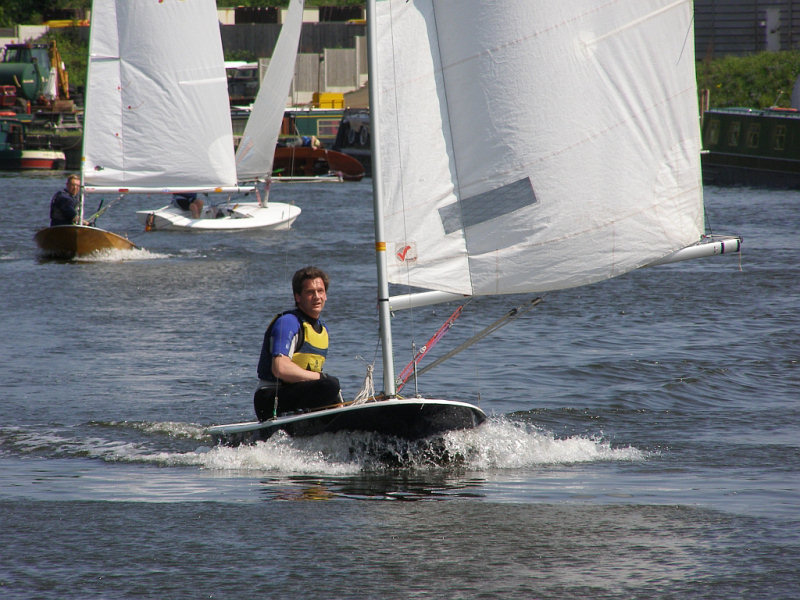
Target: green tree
[
  {"x": 34, "y": 12},
  {"x": 755, "y": 81},
  {"x": 74, "y": 49}
]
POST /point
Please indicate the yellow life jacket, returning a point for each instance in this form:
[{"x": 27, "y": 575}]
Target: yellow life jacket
[{"x": 312, "y": 352}]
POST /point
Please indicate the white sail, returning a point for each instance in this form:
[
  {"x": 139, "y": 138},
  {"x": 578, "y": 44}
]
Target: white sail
[
  {"x": 256, "y": 151},
  {"x": 157, "y": 113},
  {"x": 532, "y": 145}
]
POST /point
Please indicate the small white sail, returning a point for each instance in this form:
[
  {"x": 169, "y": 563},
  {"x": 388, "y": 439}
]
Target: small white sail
[
  {"x": 157, "y": 113},
  {"x": 256, "y": 151},
  {"x": 535, "y": 145}
]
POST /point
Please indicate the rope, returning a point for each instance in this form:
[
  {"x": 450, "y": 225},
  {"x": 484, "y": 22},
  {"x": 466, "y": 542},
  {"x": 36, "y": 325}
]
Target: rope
[{"x": 367, "y": 391}]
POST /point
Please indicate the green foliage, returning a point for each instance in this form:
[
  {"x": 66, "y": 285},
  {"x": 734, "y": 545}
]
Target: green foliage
[
  {"x": 755, "y": 81},
  {"x": 73, "y": 45},
  {"x": 33, "y": 12},
  {"x": 243, "y": 55}
]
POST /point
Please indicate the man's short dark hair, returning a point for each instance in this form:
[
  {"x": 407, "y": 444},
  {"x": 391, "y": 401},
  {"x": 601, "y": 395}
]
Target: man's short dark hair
[{"x": 308, "y": 273}]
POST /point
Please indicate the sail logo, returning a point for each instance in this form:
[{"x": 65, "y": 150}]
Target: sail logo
[{"x": 405, "y": 252}]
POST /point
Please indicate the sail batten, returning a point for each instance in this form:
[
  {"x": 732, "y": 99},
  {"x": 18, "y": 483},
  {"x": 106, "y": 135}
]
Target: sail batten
[{"x": 536, "y": 145}]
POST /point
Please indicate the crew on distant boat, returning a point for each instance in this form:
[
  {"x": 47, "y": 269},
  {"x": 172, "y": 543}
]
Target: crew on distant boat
[
  {"x": 64, "y": 203},
  {"x": 310, "y": 141},
  {"x": 293, "y": 353},
  {"x": 189, "y": 202}
]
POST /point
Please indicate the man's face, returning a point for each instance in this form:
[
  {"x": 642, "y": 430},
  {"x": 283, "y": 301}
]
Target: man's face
[
  {"x": 312, "y": 299},
  {"x": 73, "y": 185}
]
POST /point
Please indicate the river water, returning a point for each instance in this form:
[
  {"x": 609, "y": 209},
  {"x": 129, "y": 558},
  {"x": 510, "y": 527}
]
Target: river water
[{"x": 643, "y": 439}]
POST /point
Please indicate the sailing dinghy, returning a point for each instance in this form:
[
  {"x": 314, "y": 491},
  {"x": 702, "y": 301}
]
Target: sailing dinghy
[
  {"x": 164, "y": 121},
  {"x": 76, "y": 241},
  {"x": 475, "y": 196},
  {"x": 71, "y": 241}
]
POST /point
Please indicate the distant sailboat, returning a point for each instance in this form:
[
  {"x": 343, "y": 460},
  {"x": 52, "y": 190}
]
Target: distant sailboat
[
  {"x": 69, "y": 241},
  {"x": 522, "y": 147},
  {"x": 255, "y": 154},
  {"x": 162, "y": 115}
]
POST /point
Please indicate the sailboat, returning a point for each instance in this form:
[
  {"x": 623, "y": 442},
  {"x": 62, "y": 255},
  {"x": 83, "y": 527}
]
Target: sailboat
[
  {"x": 295, "y": 163},
  {"x": 521, "y": 147},
  {"x": 70, "y": 241},
  {"x": 159, "y": 118}
]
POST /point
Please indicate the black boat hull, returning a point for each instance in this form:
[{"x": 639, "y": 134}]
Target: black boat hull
[{"x": 406, "y": 419}]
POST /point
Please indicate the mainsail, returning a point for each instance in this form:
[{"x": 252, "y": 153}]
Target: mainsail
[
  {"x": 529, "y": 145},
  {"x": 157, "y": 114},
  {"x": 256, "y": 151}
]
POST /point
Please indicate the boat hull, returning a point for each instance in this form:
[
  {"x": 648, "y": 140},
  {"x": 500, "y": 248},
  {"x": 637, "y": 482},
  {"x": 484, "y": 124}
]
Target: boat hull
[
  {"x": 32, "y": 159},
  {"x": 69, "y": 241},
  {"x": 406, "y": 419},
  {"x": 307, "y": 161},
  {"x": 240, "y": 216},
  {"x": 751, "y": 147}
]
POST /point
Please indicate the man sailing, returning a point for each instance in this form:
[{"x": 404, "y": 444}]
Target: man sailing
[{"x": 293, "y": 353}]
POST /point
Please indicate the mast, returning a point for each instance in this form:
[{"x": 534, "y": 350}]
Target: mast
[
  {"x": 83, "y": 137},
  {"x": 384, "y": 315}
]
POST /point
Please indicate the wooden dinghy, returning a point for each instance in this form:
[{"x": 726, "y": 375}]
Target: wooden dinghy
[{"x": 70, "y": 241}]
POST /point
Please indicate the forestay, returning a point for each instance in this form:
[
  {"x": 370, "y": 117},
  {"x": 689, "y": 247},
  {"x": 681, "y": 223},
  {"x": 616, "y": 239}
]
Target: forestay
[
  {"x": 535, "y": 145},
  {"x": 256, "y": 151},
  {"x": 157, "y": 112}
]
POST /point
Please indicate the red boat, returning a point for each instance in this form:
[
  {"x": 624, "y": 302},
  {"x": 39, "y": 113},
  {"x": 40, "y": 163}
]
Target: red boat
[
  {"x": 16, "y": 154},
  {"x": 305, "y": 161},
  {"x": 17, "y": 160}
]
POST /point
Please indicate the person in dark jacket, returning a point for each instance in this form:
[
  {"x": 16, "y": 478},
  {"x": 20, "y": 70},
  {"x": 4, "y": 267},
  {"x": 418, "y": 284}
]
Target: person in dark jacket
[{"x": 64, "y": 203}]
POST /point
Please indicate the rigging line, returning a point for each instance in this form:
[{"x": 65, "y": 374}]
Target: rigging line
[
  {"x": 400, "y": 166},
  {"x": 686, "y": 38},
  {"x": 101, "y": 209},
  {"x": 491, "y": 328},
  {"x": 411, "y": 368},
  {"x": 709, "y": 230}
]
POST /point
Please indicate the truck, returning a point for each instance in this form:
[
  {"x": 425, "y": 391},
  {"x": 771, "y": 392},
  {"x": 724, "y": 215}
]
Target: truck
[{"x": 33, "y": 77}]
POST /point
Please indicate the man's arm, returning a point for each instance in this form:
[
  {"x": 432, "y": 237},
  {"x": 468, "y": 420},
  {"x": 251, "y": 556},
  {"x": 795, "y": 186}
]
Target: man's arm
[{"x": 284, "y": 369}]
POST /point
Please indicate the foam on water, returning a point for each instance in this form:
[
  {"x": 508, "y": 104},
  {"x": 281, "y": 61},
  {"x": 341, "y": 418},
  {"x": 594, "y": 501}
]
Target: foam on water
[
  {"x": 502, "y": 443},
  {"x": 499, "y": 444},
  {"x": 115, "y": 255}
]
